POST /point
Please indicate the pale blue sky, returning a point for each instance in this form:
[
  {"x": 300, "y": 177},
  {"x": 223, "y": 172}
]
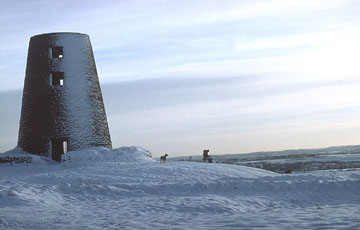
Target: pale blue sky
[{"x": 181, "y": 76}]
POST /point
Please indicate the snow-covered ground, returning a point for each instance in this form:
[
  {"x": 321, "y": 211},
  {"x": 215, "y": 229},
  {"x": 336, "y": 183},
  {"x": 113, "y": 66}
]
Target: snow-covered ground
[{"x": 126, "y": 189}]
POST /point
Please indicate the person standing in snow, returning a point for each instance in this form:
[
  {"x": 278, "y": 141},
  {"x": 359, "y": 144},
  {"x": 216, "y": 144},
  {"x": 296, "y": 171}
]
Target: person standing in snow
[{"x": 205, "y": 155}]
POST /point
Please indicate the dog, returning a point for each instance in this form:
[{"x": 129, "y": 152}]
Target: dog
[{"x": 163, "y": 158}]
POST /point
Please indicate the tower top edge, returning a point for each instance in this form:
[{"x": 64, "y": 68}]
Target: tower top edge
[{"x": 59, "y": 34}]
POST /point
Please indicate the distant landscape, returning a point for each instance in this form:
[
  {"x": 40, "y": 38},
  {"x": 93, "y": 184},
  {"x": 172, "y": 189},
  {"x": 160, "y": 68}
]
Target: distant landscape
[{"x": 300, "y": 160}]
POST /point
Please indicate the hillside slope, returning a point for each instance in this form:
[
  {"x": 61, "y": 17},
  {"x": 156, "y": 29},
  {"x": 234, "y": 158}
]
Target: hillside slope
[{"x": 125, "y": 188}]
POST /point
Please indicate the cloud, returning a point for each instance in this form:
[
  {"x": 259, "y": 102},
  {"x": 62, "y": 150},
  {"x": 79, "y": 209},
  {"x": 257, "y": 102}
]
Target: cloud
[{"x": 224, "y": 108}]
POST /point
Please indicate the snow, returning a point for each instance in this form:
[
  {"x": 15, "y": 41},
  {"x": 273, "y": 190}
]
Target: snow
[{"x": 125, "y": 188}]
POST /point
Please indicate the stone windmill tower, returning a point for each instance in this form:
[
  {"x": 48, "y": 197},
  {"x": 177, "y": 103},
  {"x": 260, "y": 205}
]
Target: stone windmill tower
[{"x": 62, "y": 107}]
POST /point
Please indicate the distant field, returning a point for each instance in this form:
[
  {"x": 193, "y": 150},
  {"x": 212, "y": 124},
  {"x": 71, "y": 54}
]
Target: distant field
[{"x": 339, "y": 157}]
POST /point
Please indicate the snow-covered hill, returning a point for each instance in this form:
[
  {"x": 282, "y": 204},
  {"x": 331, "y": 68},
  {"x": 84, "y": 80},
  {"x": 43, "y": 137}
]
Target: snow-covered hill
[{"x": 126, "y": 189}]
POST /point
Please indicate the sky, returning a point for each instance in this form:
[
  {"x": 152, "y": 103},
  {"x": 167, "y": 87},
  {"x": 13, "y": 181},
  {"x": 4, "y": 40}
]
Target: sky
[{"x": 182, "y": 76}]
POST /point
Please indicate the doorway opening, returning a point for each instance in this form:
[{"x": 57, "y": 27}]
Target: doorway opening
[{"x": 59, "y": 146}]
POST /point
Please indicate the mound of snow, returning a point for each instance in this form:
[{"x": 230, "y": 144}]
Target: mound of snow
[{"x": 132, "y": 154}]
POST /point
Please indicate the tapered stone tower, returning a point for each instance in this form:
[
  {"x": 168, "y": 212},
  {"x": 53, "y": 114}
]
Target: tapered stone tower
[{"x": 62, "y": 107}]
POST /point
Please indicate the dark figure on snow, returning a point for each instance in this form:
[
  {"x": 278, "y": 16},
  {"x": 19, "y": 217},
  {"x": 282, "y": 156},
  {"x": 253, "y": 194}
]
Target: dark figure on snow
[
  {"x": 163, "y": 158},
  {"x": 206, "y": 155}
]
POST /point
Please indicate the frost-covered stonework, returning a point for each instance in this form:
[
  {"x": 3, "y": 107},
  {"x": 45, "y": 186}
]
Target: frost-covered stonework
[{"x": 72, "y": 109}]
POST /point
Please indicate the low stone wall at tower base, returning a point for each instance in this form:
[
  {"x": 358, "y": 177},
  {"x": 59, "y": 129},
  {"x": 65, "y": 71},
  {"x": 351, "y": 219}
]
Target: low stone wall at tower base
[
  {"x": 18, "y": 156},
  {"x": 16, "y": 160}
]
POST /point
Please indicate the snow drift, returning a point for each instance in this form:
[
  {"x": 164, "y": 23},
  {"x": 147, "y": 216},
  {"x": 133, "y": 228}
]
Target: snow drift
[
  {"x": 132, "y": 154},
  {"x": 126, "y": 189}
]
